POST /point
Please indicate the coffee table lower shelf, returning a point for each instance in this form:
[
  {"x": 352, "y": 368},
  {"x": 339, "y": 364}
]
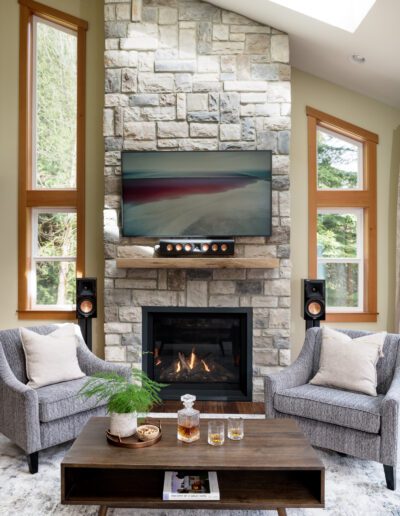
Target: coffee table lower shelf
[{"x": 239, "y": 489}]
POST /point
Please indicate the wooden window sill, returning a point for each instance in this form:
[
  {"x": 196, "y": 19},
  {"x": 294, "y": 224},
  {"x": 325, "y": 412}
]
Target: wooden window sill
[
  {"x": 64, "y": 315},
  {"x": 351, "y": 317}
]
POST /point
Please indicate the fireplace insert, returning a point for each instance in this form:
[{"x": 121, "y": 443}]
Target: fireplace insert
[{"x": 201, "y": 351}]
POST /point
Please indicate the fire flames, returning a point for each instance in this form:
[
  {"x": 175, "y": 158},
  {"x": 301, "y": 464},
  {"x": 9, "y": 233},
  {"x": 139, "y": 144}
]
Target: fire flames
[
  {"x": 189, "y": 364},
  {"x": 206, "y": 368},
  {"x": 191, "y": 367},
  {"x": 192, "y": 360}
]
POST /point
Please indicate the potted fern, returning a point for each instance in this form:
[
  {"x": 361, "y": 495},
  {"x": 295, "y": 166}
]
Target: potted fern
[{"x": 125, "y": 398}]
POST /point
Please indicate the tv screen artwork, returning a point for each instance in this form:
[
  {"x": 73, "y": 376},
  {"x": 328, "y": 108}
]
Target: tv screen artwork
[{"x": 196, "y": 194}]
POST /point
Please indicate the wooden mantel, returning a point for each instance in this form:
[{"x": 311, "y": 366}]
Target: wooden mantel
[
  {"x": 143, "y": 257},
  {"x": 197, "y": 263}
]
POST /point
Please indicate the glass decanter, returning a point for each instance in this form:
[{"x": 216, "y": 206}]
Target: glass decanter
[{"x": 188, "y": 420}]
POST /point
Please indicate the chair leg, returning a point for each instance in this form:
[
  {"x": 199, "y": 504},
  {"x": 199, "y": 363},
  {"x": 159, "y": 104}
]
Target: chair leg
[
  {"x": 33, "y": 462},
  {"x": 390, "y": 474}
]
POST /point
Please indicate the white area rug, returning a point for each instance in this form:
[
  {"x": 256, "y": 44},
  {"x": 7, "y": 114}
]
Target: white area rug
[{"x": 353, "y": 488}]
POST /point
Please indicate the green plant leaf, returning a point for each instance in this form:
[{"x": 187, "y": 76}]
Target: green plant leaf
[{"x": 123, "y": 396}]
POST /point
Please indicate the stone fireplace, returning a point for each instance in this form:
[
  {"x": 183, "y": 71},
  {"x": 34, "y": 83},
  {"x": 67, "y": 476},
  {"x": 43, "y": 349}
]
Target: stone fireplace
[
  {"x": 186, "y": 75},
  {"x": 204, "y": 351}
]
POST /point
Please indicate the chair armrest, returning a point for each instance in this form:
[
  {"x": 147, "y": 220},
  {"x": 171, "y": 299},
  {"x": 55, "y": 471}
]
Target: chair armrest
[
  {"x": 296, "y": 374},
  {"x": 90, "y": 364},
  {"x": 19, "y": 412},
  {"x": 293, "y": 376},
  {"x": 390, "y": 425}
]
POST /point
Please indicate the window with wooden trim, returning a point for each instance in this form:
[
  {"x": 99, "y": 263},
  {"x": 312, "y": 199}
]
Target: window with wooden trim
[
  {"x": 342, "y": 215},
  {"x": 51, "y": 250}
]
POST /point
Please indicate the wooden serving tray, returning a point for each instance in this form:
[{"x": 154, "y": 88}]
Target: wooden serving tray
[{"x": 133, "y": 441}]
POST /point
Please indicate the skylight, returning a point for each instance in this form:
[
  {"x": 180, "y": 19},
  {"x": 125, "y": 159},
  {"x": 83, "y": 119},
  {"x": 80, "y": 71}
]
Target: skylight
[{"x": 344, "y": 14}]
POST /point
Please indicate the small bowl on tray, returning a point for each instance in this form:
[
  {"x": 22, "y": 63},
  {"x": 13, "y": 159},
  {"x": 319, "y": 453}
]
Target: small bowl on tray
[
  {"x": 145, "y": 435},
  {"x": 147, "y": 432}
]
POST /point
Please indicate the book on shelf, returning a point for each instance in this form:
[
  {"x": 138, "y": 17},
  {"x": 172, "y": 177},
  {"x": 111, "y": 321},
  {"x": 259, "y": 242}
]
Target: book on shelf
[{"x": 192, "y": 485}]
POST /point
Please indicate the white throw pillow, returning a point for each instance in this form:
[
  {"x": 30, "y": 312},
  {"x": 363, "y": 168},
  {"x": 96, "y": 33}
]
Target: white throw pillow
[
  {"x": 51, "y": 358},
  {"x": 348, "y": 363}
]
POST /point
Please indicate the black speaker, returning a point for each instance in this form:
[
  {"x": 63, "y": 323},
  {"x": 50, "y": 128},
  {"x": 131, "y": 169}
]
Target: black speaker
[
  {"x": 86, "y": 306},
  {"x": 313, "y": 301},
  {"x": 174, "y": 247},
  {"x": 86, "y": 298}
]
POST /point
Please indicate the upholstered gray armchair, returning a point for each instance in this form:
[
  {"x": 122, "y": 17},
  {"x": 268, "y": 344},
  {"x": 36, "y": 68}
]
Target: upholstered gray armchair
[
  {"x": 36, "y": 419},
  {"x": 355, "y": 424}
]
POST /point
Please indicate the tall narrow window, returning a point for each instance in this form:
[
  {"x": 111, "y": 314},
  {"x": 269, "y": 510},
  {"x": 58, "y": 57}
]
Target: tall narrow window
[
  {"x": 342, "y": 215},
  {"x": 51, "y": 161}
]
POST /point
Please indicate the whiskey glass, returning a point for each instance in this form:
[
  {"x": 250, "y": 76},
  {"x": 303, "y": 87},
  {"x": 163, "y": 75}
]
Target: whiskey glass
[
  {"x": 216, "y": 433},
  {"x": 235, "y": 428}
]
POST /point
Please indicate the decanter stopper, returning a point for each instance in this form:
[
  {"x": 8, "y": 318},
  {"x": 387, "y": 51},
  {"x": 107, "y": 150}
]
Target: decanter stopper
[{"x": 188, "y": 400}]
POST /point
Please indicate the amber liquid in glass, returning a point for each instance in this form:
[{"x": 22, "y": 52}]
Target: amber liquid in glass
[
  {"x": 235, "y": 434},
  {"x": 188, "y": 433},
  {"x": 216, "y": 439}
]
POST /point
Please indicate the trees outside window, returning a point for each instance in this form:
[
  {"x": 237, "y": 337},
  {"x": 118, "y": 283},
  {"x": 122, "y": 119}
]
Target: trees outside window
[
  {"x": 53, "y": 258},
  {"x": 55, "y": 105},
  {"x": 342, "y": 215},
  {"x": 340, "y": 257},
  {"x": 51, "y": 196}
]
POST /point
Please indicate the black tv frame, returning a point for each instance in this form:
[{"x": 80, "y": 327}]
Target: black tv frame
[{"x": 269, "y": 225}]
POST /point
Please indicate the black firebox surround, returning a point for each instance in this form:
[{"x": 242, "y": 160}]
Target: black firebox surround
[{"x": 218, "y": 392}]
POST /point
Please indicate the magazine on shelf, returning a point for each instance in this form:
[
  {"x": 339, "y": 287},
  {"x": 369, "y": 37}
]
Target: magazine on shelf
[{"x": 192, "y": 485}]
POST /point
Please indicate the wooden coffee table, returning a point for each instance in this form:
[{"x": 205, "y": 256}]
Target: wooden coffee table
[{"x": 273, "y": 467}]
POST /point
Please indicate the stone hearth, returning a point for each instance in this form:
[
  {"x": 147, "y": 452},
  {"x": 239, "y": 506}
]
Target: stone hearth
[{"x": 186, "y": 75}]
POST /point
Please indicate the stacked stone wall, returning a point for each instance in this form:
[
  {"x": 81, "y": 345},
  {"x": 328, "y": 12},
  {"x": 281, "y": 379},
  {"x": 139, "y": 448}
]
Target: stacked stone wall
[{"x": 186, "y": 75}]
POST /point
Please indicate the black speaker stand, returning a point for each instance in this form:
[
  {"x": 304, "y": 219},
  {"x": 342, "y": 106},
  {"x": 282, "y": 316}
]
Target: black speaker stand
[
  {"x": 310, "y": 323},
  {"x": 86, "y": 328}
]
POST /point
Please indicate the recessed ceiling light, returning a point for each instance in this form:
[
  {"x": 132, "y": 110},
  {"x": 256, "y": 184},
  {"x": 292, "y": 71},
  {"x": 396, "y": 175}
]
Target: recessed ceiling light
[
  {"x": 344, "y": 14},
  {"x": 357, "y": 58}
]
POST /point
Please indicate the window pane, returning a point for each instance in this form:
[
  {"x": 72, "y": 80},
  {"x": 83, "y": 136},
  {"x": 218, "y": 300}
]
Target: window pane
[
  {"x": 337, "y": 235},
  {"x": 55, "y": 283},
  {"x": 56, "y": 234},
  {"x": 342, "y": 285},
  {"x": 56, "y": 107},
  {"x": 339, "y": 161}
]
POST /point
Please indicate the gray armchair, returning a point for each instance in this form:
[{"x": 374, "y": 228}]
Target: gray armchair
[
  {"x": 36, "y": 419},
  {"x": 350, "y": 423}
]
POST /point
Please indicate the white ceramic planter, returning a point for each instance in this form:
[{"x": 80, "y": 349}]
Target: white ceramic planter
[{"x": 123, "y": 425}]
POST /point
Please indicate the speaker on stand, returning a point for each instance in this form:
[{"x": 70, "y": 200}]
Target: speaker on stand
[
  {"x": 86, "y": 307},
  {"x": 313, "y": 302}
]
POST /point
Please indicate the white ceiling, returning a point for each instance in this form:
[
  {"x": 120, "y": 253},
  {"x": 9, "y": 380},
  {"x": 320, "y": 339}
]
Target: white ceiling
[{"x": 325, "y": 51}]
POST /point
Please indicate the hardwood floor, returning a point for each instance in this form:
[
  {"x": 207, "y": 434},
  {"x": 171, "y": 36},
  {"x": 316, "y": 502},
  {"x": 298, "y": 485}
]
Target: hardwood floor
[{"x": 215, "y": 407}]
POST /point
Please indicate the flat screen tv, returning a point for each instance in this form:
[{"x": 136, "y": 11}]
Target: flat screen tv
[{"x": 196, "y": 194}]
